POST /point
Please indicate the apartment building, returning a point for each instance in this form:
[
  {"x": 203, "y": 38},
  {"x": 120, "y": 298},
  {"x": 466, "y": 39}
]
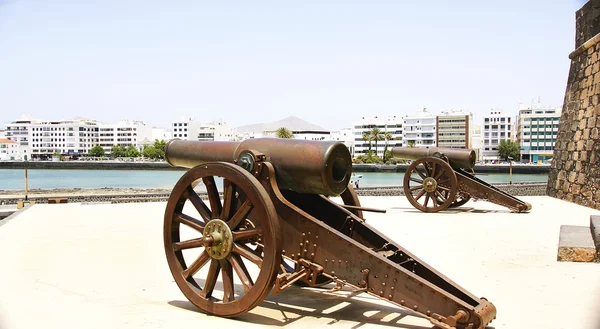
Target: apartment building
[
  {"x": 215, "y": 131},
  {"x": 389, "y": 124},
  {"x": 124, "y": 133},
  {"x": 10, "y": 150},
  {"x": 419, "y": 130},
  {"x": 186, "y": 128},
  {"x": 18, "y": 131},
  {"x": 497, "y": 127},
  {"x": 537, "y": 130},
  {"x": 67, "y": 137},
  {"x": 345, "y": 136},
  {"x": 453, "y": 129}
]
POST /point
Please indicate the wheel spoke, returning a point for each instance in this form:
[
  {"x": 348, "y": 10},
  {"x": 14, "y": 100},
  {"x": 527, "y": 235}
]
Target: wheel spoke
[
  {"x": 242, "y": 272},
  {"x": 419, "y": 195},
  {"x": 432, "y": 173},
  {"x": 247, "y": 253},
  {"x": 426, "y": 200},
  {"x": 416, "y": 188},
  {"x": 196, "y": 265},
  {"x": 227, "y": 277},
  {"x": 240, "y": 214},
  {"x": 211, "y": 278},
  {"x": 434, "y": 199},
  {"x": 199, "y": 204},
  {"x": 213, "y": 196},
  {"x": 420, "y": 173},
  {"x": 190, "y": 221},
  {"x": 228, "y": 199},
  {"x": 189, "y": 244},
  {"x": 246, "y": 234},
  {"x": 443, "y": 188},
  {"x": 441, "y": 196},
  {"x": 439, "y": 175},
  {"x": 416, "y": 180},
  {"x": 443, "y": 181}
]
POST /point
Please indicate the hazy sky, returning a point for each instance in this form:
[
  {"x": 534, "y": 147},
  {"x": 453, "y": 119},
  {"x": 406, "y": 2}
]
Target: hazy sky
[{"x": 327, "y": 62}]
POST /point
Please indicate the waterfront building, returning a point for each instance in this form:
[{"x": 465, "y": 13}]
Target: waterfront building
[
  {"x": 537, "y": 131},
  {"x": 18, "y": 131},
  {"x": 454, "y": 129},
  {"x": 66, "y": 137},
  {"x": 216, "y": 131},
  {"x": 186, "y": 128},
  {"x": 2, "y": 133},
  {"x": 125, "y": 133},
  {"x": 345, "y": 136},
  {"x": 476, "y": 141},
  {"x": 299, "y": 128},
  {"x": 10, "y": 150},
  {"x": 391, "y": 124},
  {"x": 161, "y": 134},
  {"x": 419, "y": 130},
  {"x": 497, "y": 127}
]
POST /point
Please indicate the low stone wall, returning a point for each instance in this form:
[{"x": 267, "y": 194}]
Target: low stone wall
[
  {"x": 487, "y": 169},
  {"x": 520, "y": 189}
]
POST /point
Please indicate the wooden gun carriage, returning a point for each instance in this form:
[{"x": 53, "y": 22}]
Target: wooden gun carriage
[
  {"x": 269, "y": 218},
  {"x": 438, "y": 179}
]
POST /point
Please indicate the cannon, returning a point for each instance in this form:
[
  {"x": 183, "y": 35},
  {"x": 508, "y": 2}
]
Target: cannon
[
  {"x": 264, "y": 209},
  {"x": 438, "y": 178}
]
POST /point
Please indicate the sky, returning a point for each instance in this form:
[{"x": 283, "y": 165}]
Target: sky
[{"x": 244, "y": 62}]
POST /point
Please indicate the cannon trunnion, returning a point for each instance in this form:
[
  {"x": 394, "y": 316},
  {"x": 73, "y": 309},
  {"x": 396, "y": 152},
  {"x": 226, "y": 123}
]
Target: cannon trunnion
[{"x": 259, "y": 234}]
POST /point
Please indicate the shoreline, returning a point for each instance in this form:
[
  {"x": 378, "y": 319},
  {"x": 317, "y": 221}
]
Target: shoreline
[{"x": 163, "y": 166}]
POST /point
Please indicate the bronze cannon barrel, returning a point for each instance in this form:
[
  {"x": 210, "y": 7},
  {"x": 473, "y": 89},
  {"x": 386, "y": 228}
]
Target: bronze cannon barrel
[
  {"x": 317, "y": 167},
  {"x": 458, "y": 158}
]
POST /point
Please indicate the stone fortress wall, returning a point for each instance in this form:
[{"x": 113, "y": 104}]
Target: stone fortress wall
[{"x": 575, "y": 172}]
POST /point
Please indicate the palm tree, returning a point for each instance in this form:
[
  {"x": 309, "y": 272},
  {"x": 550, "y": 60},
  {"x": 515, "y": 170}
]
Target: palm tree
[
  {"x": 283, "y": 132},
  {"x": 387, "y": 136},
  {"x": 376, "y": 135},
  {"x": 367, "y": 138}
]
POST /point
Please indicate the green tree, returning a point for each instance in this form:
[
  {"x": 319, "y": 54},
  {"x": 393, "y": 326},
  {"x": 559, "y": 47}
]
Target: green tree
[
  {"x": 508, "y": 148},
  {"x": 96, "y": 151},
  {"x": 151, "y": 152},
  {"x": 283, "y": 132},
  {"x": 376, "y": 135},
  {"x": 117, "y": 151},
  {"x": 411, "y": 144},
  {"x": 160, "y": 146},
  {"x": 387, "y": 136},
  {"x": 369, "y": 157},
  {"x": 132, "y": 152},
  {"x": 367, "y": 138}
]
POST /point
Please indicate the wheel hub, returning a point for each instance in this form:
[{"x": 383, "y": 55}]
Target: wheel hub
[
  {"x": 429, "y": 184},
  {"x": 217, "y": 239}
]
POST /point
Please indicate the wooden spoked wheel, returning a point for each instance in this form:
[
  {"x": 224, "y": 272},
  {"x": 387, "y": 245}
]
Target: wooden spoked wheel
[
  {"x": 205, "y": 240},
  {"x": 430, "y": 184},
  {"x": 460, "y": 200}
]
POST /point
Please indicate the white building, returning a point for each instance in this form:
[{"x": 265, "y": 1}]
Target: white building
[
  {"x": 454, "y": 129},
  {"x": 345, "y": 136},
  {"x": 476, "y": 141},
  {"x": 161, "y": 134},
  {"x": 2, "y": 133},
  {"x": 537, "y": 131},
  {"x": 18, "y": 131},
  {"x": 497, "y": 127},
  {"x": 389, "y": 124},
  {"x": 67, "y": 137},
  {"x": 215, "y": 131},
  {"x": 10, "y": 150},
  {"x": 125, "y": 133},
  {"x": 419, "y": 130},
  {"x": 186, "y": 129}
]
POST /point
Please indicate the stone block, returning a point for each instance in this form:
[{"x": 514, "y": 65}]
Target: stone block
[
  {"x": 581, "y": 178},
  {"x": 595, "y": 133},
  {"x": 577, "y": 135},
  {"x": 572, "y": 176},
  {"x": 589, "y": 145},
  {"x": 575, "y": 244},
  {"x": 595, "y": 227}
]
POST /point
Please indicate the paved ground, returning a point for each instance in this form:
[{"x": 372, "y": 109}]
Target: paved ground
[{"x": 103, "y": 266}]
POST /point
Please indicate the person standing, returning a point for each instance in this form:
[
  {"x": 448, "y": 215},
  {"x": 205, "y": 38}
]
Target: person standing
[{"x": 356, "y": 184}]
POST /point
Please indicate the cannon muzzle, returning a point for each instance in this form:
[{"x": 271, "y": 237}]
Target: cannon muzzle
[
  {"x": 316, "y": 167},
  {"x": 458, "y": 158}
]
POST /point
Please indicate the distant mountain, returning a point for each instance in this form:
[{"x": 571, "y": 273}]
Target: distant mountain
[{"x": 292, "y": 123}]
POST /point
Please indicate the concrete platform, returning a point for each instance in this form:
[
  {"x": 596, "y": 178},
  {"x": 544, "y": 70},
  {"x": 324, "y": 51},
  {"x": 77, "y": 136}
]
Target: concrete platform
[
  {"x": 575, "y": 244},
  {"x": 103, "y": 266}
]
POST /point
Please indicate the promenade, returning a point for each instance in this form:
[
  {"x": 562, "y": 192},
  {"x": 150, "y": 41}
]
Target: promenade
[{"x": 74, "y": 266}]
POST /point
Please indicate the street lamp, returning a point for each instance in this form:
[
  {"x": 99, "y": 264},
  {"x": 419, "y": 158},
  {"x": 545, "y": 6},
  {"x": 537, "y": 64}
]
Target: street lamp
[{"x": 510, "y": 159}]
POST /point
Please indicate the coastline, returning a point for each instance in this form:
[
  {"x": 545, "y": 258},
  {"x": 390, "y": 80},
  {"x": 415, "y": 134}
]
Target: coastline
[{"x": 121, "y": 165}]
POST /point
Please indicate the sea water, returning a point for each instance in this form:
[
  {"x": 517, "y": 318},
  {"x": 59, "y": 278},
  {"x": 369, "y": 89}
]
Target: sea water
[{"x": 14, "y": 179}]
